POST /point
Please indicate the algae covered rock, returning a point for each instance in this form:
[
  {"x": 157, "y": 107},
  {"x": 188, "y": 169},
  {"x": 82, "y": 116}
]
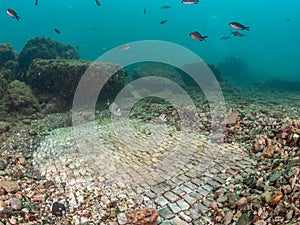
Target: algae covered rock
[
  {"x": 19, "y": 98},
  {"x": 6, "y": 53},
  {"x": 160, "y": 70},
  {"x": 44, "y": 48},
  {"x": 3, "y": 85},
  {"x": 60, "y": 77},
  {"x": 9, "y": 66}
]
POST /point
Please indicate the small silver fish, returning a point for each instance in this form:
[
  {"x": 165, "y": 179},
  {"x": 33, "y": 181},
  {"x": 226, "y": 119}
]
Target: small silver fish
[{"x": 115, "y": 109}]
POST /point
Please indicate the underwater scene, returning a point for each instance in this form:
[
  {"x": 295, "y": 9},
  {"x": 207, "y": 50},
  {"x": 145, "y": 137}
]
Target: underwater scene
[{"x": 150, "y": 112}]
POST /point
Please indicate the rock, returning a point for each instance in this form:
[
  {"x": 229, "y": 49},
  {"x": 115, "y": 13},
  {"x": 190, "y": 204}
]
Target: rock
[
  {"x": 243, "y": 220},
  {"x": 260, "y": 222},
  {"x": 6, "y": 53},
  {"x": 289, "y": 215},
  {"x": 273, "y": 198},
  {"x": 58, "y": 209},
  {"x": 268, "y": 151},
  {"x": 20, "y": 99},
  {"x": 44, "y": 48},
  {"x": 228, "y": 218},
  {"x": 13, "y": 221},
  {"x": 3, "y": 164},
  {"x": 38, "y": 198},
  {"x": 59, "y": 78},
  {"x": 142, "y": 217},
  {"x": 4, "y": 127},
  {"x": 16, "y": 204},
  {"x": 274, "y": 177},
  {"x": 279, "y": 209},
  {"x": 10, "y": 186},
  {"x": 122, "y": 220},
  {"x": 259, "y": 144},
  {"x": 214, "y": 205},
  {"x": 160, "y": 70},
  {"x": 48, "y": 184},
  {"x": 241, "y": 202},
  {"x": 231, "y": 118},
  {"x": 250, "y": 182},
  {"x": 233, "y": 199}
]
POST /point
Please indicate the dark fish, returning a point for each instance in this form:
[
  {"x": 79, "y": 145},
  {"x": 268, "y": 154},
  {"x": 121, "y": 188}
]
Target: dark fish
[
  {"x": 12, "y": 13},
  {"x": 288, "y": 20},
  {"x": 197, "y": 36},
  {"x": 97, "y": 2},
  {"x": 238, "y": 26},
  {"x": 145, "y": 10},
  {"x": 36, "y": 2},
  {"x": 57, "y": 31},
  {"x": 225, "y": 38},
  {"x": 166, "y": 7},
  {"x": 190, "y": 2},
  {"x": 237, "y": 34},
  {"x": 163, "y": 21}
]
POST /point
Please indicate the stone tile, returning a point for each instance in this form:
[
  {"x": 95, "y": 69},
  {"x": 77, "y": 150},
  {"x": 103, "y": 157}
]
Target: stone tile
[
  {"x": 178, "y": 221},
  {"x": 185, "y": 217},
  {"x": 202, "y": 191},
  {"x": 219, "y": 180},
  {"x": 150, "y": 194},
  {"x": 175, "y": 208},
  {"x": 213, "y": 183},
  {"x": 176, "y": 180},
  {"x": 122, "y": 219},
  {"x": 192, "y": 174},
  {"x": 165, "y": 222},
  {"x": 171, "y": 196},
  {"x": 185, "y": 189},
  {"x": 189, "y": 199},
  {"x": 157, "y": 190},
  {"x": 203, "y": 209},
  {"x": 161, "y": 201},
  {"x": 183, "y": 205},
  {"x": 190, "y": 185},
  {"x": 166, "y": 213},
  {"x": 178, "y": 191},
  {"x": 194, "y": 212}
]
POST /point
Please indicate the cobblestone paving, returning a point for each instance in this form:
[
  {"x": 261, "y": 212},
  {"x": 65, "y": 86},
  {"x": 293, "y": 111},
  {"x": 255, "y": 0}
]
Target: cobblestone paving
[{"x": 174, "y": 175}]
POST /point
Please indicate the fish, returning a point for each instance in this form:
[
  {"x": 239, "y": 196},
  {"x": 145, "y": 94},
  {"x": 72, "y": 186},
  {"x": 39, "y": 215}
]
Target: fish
[
  {"x": 163, "y": 21},
  {"x": 12, "y": 13},
  {"x": 145, "y": 10},
  {"x": 237, "y": 34},
  {"x": 166, "y": 7},
  {"x": 115, "y": 109},
  {"x": 36, "y": 2},
  {"x": 97, "y": 2},
  {"x": 124, "y": 47},
  {"x": 238, "y": 26},
  {"x": 197, "y": 36},
  {"x": 57, "y": 31},
  {"x": 190, "y": 2},
  {"x": 163, "y": 118},
  {"x": 225, "y": 38}
]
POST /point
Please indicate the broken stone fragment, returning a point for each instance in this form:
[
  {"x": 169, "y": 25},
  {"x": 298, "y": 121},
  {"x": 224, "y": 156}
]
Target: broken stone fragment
[
  {"x": 10, "y": 186},
  {"x": 142, "y": 217},
  {"x": 231, "y": 118},
  {"x": 58, "y": 209}
]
